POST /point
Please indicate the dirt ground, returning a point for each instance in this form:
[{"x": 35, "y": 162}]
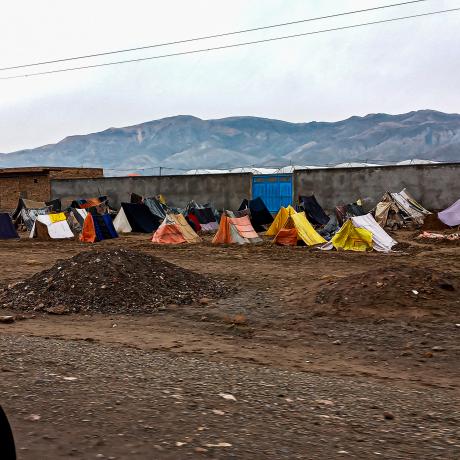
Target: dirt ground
[{"x": 274, "y": 371}]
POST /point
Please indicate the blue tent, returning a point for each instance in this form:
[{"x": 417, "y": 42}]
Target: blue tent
[{"x": 7, "y": 230}]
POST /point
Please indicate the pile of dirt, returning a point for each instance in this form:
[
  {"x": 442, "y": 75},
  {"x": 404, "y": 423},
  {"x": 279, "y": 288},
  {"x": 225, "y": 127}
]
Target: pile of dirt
[
  {"x": 110, "y": 281},
  {"x": 395, "y": 290}
]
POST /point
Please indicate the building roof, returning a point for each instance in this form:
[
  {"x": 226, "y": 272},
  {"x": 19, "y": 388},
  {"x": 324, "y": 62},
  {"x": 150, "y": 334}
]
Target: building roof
[{"x": 39, "y": 170}]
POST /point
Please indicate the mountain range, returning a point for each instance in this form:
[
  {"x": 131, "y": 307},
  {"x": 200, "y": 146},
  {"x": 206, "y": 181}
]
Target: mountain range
[{"x": 187, "y": 142}]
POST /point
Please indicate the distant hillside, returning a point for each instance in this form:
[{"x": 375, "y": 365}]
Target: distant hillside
[{"x": 189, "y": 142}]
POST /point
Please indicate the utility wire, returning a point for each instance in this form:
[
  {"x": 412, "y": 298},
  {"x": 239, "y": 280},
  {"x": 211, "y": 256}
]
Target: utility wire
[
  {"x": 206, "y": 37},
  {"x": 235, "y": 45}
]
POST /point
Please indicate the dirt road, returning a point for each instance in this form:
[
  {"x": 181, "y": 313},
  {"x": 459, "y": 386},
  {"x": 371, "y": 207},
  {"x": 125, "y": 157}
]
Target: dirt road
[{"x": 311, "y": 378}]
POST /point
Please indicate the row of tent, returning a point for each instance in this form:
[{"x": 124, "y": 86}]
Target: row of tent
[{"x": 349, "y": 227}]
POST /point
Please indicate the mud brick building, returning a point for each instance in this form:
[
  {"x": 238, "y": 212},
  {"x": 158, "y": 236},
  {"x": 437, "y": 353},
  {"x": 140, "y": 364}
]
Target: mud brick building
[{"x": 34, "y": 183}]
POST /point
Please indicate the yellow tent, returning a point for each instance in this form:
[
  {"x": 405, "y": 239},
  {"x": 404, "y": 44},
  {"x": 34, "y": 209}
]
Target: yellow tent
[
  {"x": 351, "y": 238},
  {"x": 289, "y": 219},
  {"x": 280, "y": 220}
]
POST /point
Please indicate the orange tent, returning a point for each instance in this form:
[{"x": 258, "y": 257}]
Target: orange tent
[
  {"x": 235, "y": 230},
  {"x": 168, "y": 233}
]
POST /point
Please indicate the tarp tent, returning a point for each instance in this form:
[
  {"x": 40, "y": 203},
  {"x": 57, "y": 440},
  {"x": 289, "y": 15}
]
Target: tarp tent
[
  {"x": 97, "y": 228},
  {"x": 204, "y": 214},
  {"x": 313, "y": 210},
  {"x": 344, "y": 212},
  {"x": 27, "y": 216},
  {"x": 397, "y": 209},
  {"x": 7, "y": 230},
  {"x": 381, "y": 241},
  {"x": 259, "y": 214},
  {"x": 351, "y": 238},
  {"x": 85, "y": 203},
  {"x": 76, "y": 219},
  {"x": 156, "y": 207},
  {"x": 279, "y": 221},
  {"x": 175, "y": 230},
  {"x": 451, "y": 215},
  {"x": 236, "y": 230},
  {"x": 51, "y": 226},
  {"x": 295, "y": 228},
  {"x": 139, "y": 217}
]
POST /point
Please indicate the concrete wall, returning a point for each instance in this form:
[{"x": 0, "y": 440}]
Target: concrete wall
[
  {"x": 434, "y": 186},
  {"x": 225, "y": 191}
]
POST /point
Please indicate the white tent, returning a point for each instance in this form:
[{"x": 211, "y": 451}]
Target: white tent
[
  {"x": 121, "y": 222},
  {"x": 56, "y": 229},
  {"x": 381, "y": 241}
]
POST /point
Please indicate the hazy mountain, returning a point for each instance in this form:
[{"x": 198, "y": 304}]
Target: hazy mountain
[{"x": 189, "y": 142}]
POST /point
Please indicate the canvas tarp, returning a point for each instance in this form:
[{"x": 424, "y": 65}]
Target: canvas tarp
[
  {"x": 140, "y": 218},
  {"x": 175, "y": 230},
  {"x": 97, "y": 228},
  {"x": 89, "y": 202},
  {"x": 7, "y": 230},
  {"x": 451, "y": 215},
  {"x": 305, "y": 231},
  {"x": 259, "y": 213},
  {"x": 187, "y": 232},
  {"x": 313, "y": 210},
  {"x": 381, "y": 241},
  {"x": 235, "y": 230},
  {"x": 51, "y": 226},
  {"x": 351, "y": 238},
  {"x": 27, "y": 216},
  {"x": 168, "y": 233},
  {"x": 156, "y": 208},
  {"x": 280, "y": 219},
  {"x": 121, "y": 222}
]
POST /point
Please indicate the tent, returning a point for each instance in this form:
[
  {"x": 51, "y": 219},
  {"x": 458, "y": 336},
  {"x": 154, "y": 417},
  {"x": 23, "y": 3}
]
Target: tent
[
  {"x": 7, "y": 230},
  {"x": 351, "y": 238},
  {"x": 259, "y": 213},
  {"x": 313, "y": 210},
  {"x": 89, "y": 202},
  {"x": 295, "y": 228},
  {"x": 76, "y": 219},
  {"x": 27, "y": 216},
  {"x": 397, "y": 209},
  {"x": 344, "y": 212},
  {"x": 203, "y": 214},
  {"x": 236, "y": 230},
  {"x": 135, "y": 217},
  {"x": 175, "y": 230},
  {"x": 51, "y": 226},
  {"x": 156, "y": 207},
  {"x": 451, "y": 215},
  {"x": 279, "y": 221},
  {"x": 97, "y": 228},
  {"x": 381, "y": 241}
]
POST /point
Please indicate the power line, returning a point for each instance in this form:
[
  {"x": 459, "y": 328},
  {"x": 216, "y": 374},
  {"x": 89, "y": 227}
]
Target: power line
[
  {"x": 206, "y": 37},
  {"x": 235, "y": 45}
]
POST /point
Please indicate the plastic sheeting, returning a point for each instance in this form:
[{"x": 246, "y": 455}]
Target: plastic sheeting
[
  {"x": 280, "y": 220},
  {"x": 7, "y": 230},
  {"x": 351, "y": 238},
  {"x": 121, "y": 222},
  {"x": 315, "y": 213},
  {"x": 451, "y": 215},
  {"x": 235, "y": 230},
  {"x": 54, "y": 229}
]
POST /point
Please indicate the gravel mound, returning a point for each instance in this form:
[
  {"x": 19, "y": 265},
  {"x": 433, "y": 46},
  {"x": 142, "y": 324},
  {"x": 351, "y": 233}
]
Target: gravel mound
[
  {"x": 400, "y": 287},
  {"x": 110, "y": 281}
]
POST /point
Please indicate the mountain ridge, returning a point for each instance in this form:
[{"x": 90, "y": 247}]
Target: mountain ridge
[{"x": 189, "y": 142}]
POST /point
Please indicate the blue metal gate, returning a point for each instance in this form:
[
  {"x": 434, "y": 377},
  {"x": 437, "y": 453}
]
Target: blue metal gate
[{"x": 274, "y": 189}]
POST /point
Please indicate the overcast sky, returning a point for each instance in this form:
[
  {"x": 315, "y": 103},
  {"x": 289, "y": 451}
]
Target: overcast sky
[{"x": 391, "y": 68}]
